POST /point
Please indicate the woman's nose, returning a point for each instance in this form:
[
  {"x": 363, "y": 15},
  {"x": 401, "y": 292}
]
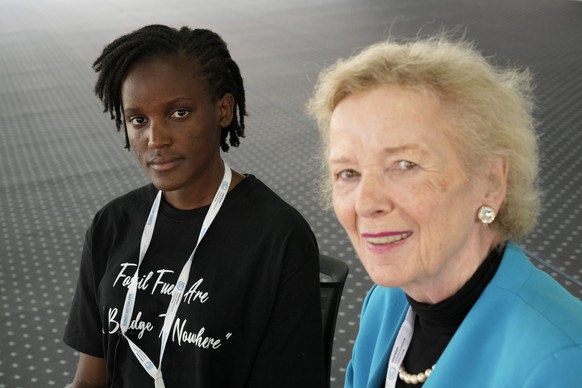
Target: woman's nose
[
  {"x": 373, "y": 196},
  {"x": 159, "y": 136}
]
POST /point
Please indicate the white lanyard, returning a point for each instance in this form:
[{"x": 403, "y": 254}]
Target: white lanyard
[
  {"x": 178, "y": 291},
  {"x": 399, "y": 349}
]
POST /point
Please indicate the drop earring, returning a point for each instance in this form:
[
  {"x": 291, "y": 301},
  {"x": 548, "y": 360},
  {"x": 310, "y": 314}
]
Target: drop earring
[{"x": 486, "y": 214}]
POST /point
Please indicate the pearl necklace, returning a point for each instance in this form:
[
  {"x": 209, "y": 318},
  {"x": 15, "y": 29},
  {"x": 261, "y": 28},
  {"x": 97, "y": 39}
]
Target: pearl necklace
[{"x": 418, "y": 378}]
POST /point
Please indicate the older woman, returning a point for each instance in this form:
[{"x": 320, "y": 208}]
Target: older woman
[{"x": 432, "y": 159}]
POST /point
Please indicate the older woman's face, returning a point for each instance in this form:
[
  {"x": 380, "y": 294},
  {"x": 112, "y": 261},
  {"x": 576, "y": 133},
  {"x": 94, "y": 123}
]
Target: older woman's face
[{"x": 401, "y": 194}]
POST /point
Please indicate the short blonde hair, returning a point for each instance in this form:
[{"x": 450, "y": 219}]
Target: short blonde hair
[{"x": 490, "y": 110}]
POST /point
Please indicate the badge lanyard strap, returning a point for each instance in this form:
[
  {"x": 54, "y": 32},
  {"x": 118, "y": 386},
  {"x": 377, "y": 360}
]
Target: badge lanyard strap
[
  {"x": 400, "y": 348},
  {"x": 178, "y": 291}
]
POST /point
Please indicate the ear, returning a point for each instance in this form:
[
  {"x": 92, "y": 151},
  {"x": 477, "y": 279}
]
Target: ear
[
  {"x": 225, "y": 110},
  {"x": 496, "y": 183}
]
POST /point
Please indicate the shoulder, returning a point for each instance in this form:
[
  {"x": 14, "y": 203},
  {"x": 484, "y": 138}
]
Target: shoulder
[
  {"x": 383, "y": 312},
  {"x": 559, "y": 369},
  {"x": 254, "y": 189},
  {"x": 253, "y": 198},
  {"x": 536, "y": 296},
  {"x": 382, "y": 298},
  {"x": 383, "y": 305},
  {"x": 534, "y": 314},
  {"x": 141, "y": 197},
  {"x": 127, "y": 208},
  {"x": 264, "y": 227},
  {"x": 522, "y": 311}
]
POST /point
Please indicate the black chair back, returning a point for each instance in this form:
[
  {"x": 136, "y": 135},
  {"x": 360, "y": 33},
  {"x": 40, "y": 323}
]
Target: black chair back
[{"x": 332, "y": 277}]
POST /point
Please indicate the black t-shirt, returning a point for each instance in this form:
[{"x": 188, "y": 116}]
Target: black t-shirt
[{"x": 250, "y": 315}]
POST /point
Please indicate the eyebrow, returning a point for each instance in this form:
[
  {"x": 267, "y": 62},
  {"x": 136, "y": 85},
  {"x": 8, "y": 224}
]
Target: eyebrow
[
  {"x": 385, "y": 150},
  {"x": 167, "y": 103}
]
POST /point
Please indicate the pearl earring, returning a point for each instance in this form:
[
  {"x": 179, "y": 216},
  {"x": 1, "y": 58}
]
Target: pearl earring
[{"x": 486, "y": 214}]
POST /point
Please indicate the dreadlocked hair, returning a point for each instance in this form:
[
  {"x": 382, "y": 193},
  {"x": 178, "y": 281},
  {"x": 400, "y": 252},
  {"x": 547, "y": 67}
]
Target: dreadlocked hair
[{"x": 206, "y": 47}]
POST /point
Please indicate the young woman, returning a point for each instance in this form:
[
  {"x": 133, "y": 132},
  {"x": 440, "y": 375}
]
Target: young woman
[{"x": 205, "y": 277}]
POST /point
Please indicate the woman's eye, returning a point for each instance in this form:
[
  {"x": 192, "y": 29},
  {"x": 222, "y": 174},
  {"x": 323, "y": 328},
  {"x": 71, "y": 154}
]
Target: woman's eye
[
  {"x": 136, "y": 120},
  {"x": 346, "y": 174},
  {"x": 406, "y": 165},
  {"x": 180, "y": 113}
]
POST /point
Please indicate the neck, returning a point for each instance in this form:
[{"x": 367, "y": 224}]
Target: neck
[
  {"x": 450, "y": 278},
  {"x": 202, "y": 191},
  {"x": 436, "y": 324},
  {"x": 451, "y": 311}
]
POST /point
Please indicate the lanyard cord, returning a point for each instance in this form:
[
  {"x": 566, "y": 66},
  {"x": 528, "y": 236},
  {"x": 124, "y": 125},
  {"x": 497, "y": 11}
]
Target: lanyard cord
[
  {"x": 179, "y": 287},
  {"x": 400, "y": 348}
]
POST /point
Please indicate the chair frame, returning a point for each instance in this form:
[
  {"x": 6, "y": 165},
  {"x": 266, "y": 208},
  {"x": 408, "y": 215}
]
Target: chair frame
[{"x": 335, "y": 273}]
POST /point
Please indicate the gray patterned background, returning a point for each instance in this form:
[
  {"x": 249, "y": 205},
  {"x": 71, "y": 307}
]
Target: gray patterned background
[{"x": 61, "y": 160}]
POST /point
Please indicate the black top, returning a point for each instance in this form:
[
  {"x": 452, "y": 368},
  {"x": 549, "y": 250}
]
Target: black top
[
  {"x": 250, "y": 315},
  {"x": 435, "y": 324}
]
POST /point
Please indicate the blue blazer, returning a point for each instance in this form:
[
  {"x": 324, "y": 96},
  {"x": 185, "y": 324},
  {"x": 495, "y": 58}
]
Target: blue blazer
[{"x": 525, "y": 330}]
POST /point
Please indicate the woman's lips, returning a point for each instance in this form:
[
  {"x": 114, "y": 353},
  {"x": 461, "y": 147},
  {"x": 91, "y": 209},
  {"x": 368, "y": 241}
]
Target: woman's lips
[
  {"x": 163, "y": 163},
  {"x": 380, "y": 242}
]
